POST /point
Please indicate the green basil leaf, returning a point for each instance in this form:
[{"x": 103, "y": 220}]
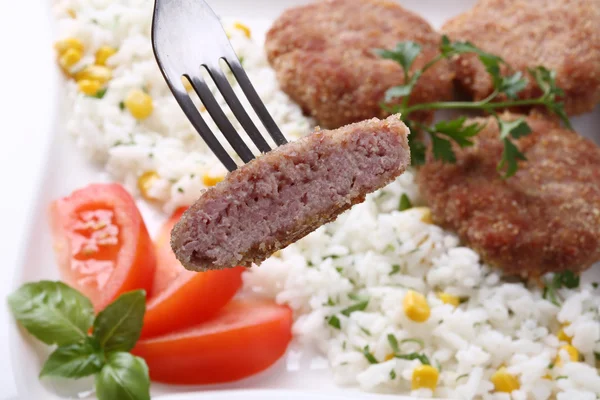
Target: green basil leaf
[
  {"x": 119, "y": 325},
  {"x": 73, "y": 361},
  {"x": 52, "y": 312},
  {"x": 123, "y": 377}
]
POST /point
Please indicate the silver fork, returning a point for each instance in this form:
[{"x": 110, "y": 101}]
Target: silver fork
[{"x": 186, "y": 37}]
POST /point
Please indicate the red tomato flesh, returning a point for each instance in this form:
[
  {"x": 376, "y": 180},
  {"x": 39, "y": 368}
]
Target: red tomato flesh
[
  {"x": 182, "y": 298},
  {"x": 245, "y": 337},
  {"x": 101, "y": 243}
]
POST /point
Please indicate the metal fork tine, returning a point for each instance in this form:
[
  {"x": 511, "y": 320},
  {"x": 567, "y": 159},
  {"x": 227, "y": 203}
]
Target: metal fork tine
[
  {"x": 236, "y": 107},
  {"x": 255, "y": 100},
  {"x": 190, "y": 110},
  {"x": 220, "y": 118}
]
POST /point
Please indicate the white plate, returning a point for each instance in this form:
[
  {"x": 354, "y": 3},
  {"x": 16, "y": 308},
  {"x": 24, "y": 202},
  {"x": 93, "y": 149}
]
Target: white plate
[{"x": 39, "y": 163}]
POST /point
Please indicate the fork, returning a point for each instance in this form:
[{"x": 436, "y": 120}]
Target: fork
[{"x": 188, "y": 36}]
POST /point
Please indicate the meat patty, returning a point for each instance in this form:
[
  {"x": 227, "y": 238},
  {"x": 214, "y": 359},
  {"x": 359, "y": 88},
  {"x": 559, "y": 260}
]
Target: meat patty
[
  {"x": 287, "y": 193},
  {"x": 562, "y": 35},
  {"x": 545, "y": 218},
  {"x": 323, "y": 55}
]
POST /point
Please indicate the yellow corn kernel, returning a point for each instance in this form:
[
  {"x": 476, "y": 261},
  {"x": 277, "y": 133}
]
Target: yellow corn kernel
[
  {"x": 425, "y": 214},
  {"x": 424, "y": 377},
  {"x": 547, "y": 377},
  {"x": 69, "y": 43},
  {"x": 103, "y": 54},
  {"x": 139, "y": 104},
  {"x": 504, "y": 382},
  {"x": 243, "y": 28},
  {"x": 145, "y": 182},
  {"x": 562, "y": 336},
  {"x": 571, "y": 351},
  {"x": 389, "y": 357},
  {"x": 211, "y": 180},
  {"x": 447, "y": 298},
  {"x": 186, "y": 84},
  {"x": 89, "y": 86},
  {"x": 95, "y": 72},
  {"x": 71, "y": 13},
  {"x": 70, "y": 58},
  {"x": 416, "y": 307}
]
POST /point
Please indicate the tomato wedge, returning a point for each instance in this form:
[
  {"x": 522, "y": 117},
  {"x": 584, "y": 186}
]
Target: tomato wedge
[
  {"x": 101, "y": 243},
  {"x": 183, "y": 298},
  {"x": 246, "y": 337}
]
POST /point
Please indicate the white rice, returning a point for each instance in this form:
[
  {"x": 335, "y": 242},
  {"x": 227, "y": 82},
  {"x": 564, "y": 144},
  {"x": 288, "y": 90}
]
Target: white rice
[
  {"x": 166, "y": 142},
  {"x": 371, "y": 252}
]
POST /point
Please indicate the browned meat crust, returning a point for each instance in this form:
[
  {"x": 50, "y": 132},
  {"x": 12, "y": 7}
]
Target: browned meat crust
[
  {"x": 287, "y": 193},
  {"x": 545, "y": 218},
  {"x": 323, "y": 55},
  {"x": 562, "y": 35}
]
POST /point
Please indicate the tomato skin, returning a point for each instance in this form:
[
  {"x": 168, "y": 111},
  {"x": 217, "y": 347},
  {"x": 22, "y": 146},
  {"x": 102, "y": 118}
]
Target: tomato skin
[
  {"x": 192, "y": 298},
  {"x": 182, "y": 298},
  {"x": 246, "y": 337},
  {"x": 134, "y": 262},
  {"x": 167, "y": 266}
]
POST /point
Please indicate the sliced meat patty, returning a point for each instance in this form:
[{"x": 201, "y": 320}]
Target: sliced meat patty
[
  {"x": 561, "y": 35},
  {"x": 287, "y": 193},
  {"x": 323, "y": 55},
  {"x": 545, "y": 218}
]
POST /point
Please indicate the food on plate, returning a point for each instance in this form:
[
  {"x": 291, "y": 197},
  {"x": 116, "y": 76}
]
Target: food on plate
[
  {"x": 87, "y": 345},
  {"x": 561, "y": 35},
  {"x": 101, "y": 243},
  {"x": 324, "y": 55},
  {"x": 545, "y": 218},
  {"x": 443, "y": 133},
  {"x": 394, "y": 302},
  {"x": 183, "y": 298},
  {"x": 246, "y": 337},
  {"x": 285, "y": 194}
]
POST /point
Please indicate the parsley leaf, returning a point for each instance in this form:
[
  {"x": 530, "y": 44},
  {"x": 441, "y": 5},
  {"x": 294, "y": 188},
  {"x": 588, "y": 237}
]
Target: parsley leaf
[
  {"x": 442, "y": 148},
  {"x": 392, "y": 374},
  {"x": 414, "y": 356},
  {"x": 568, "y": 279},
  {"x": 356, "y": 307},
  {"x": 517, "y": 128},
  {"x": 393, "y": 343},
  {"x": 335, "y": 322},
  {"x": 510, "y": 157},
  {"x": 457, "y": 131},
  {"x": 417, "y": 149},
  {"x": 404, "y": 54},
  {"x": 511, "y": 85},
  {"x": 100, "y": 93},
  {"x": 369, "y": 356},
  {"x": 395, "y": 269},
  {"x": 405, "y": 203}
]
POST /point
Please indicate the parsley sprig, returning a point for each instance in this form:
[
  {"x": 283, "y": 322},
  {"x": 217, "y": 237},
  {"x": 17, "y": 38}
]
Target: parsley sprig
[{"x": 504, "y": 95}]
